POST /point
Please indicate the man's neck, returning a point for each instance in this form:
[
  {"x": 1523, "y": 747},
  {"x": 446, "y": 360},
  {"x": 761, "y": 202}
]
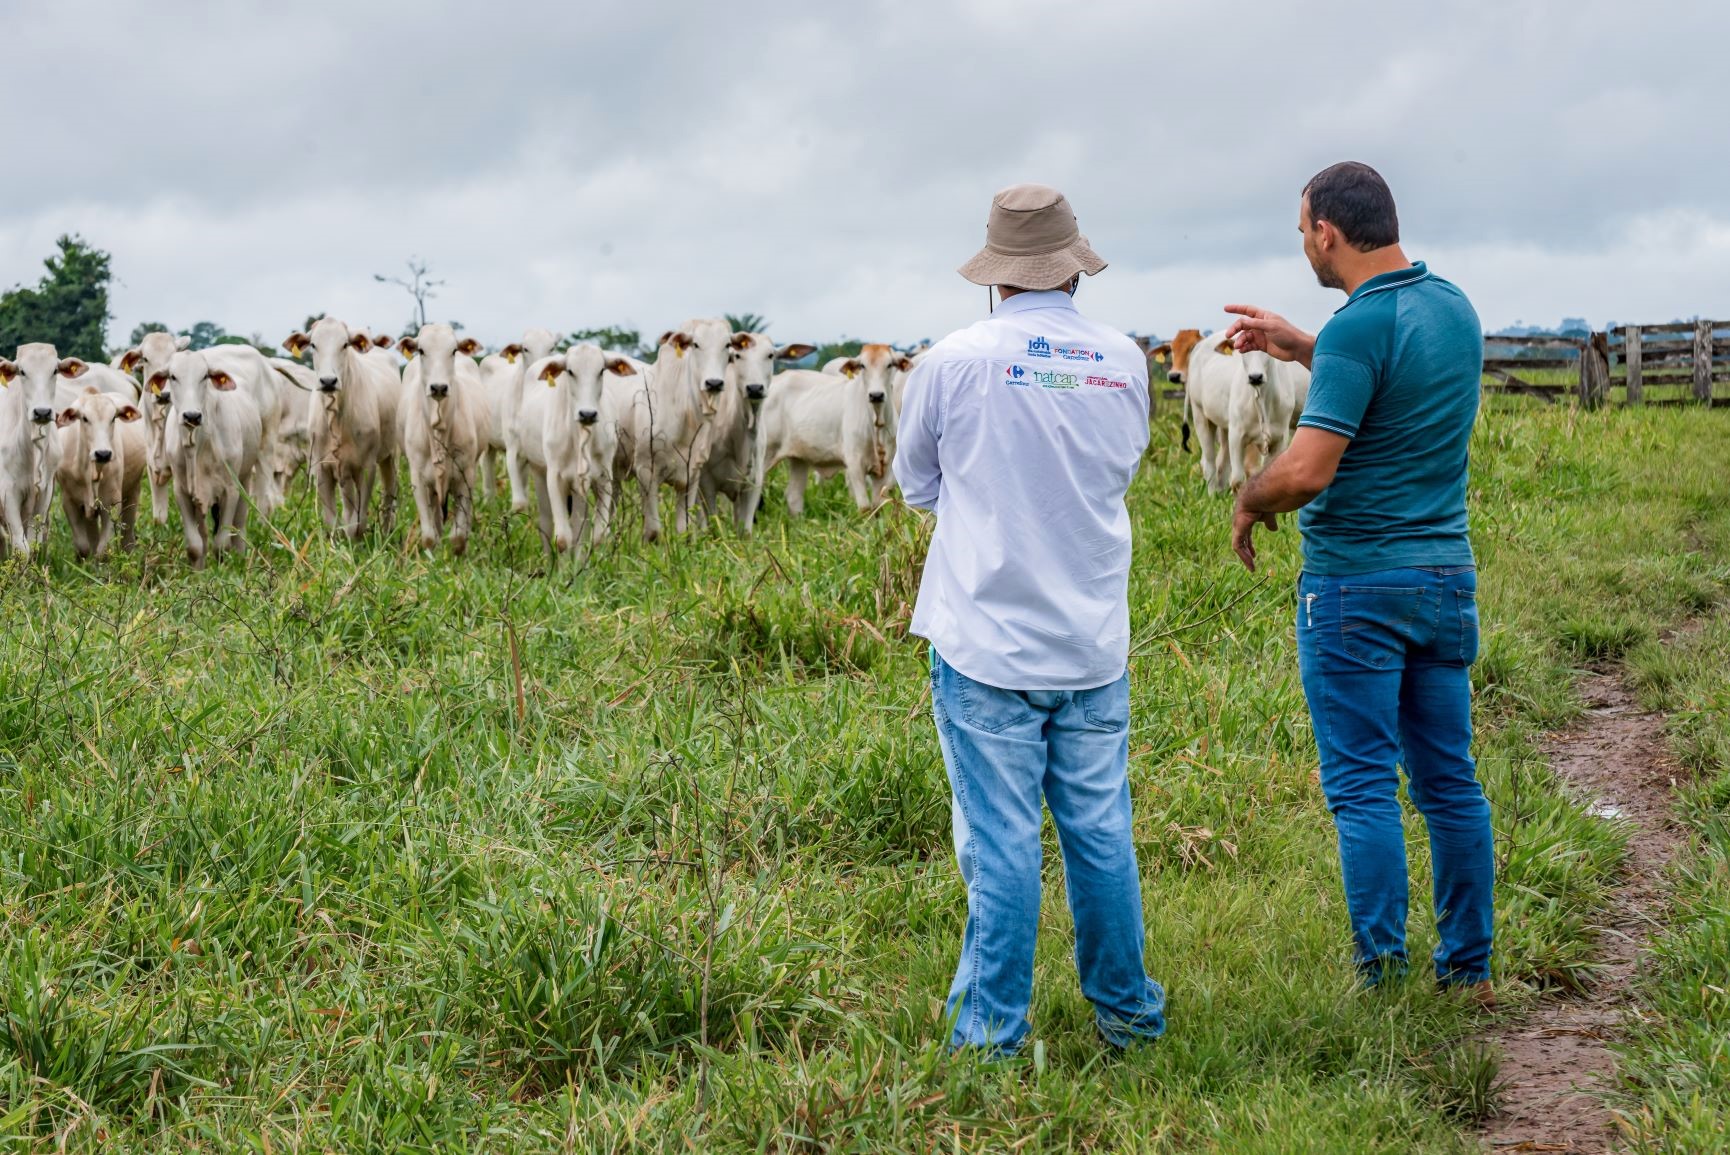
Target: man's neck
[{"x": 1367, "y": 266}]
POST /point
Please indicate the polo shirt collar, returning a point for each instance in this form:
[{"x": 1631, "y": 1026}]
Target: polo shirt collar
[
  {"x": 1397, "y": 279},
  {"x": 1042, "y": 299}
]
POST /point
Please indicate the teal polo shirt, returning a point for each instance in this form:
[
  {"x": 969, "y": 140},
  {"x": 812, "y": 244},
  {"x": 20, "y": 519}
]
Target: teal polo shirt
[{"x": 1397, "y": 370}]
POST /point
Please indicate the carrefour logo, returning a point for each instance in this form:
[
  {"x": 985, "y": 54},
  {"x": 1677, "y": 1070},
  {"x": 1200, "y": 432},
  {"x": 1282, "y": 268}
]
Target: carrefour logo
[
  {"x": 1016, "y": 375},
  {"x": 1039, "y": 347}
]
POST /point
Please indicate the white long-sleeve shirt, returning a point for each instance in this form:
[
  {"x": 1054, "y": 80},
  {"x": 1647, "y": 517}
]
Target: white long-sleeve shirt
[{"x": 1023, "y": 432}]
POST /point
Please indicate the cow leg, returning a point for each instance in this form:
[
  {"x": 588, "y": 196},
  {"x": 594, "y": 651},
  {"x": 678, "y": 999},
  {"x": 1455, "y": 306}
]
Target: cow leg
[
  {"x": 426, "y": 502},
  {"x": 235, "y": 513},
  {"x": 650, "y": 486},
  {"x": 462, "y": 519},
  {"x": 353, "y": 502},
  {"x": 859, "y": 483},
  {"x": 12, "y": 511},
  {"x": 368, "y": 480},
  {"x": 1204, "y": 435},
  {"x": 605, "y": 489},
  {"x": 387, "y": 469},
  {"x": 798, "y": 479},
  {"x": 160, "y": 487},
  {"x": 129, "y": 519},
  {"x": 104, "y": 528},
  {"x": 484, "y": 469},
  {"x": 192, "y": 528},
  {"x": 324, "y": 481},
  {"x": 556, "y": 509},
  {"x": 514, "y": 475},
  {"x": 1235, "y": 439},
  {"x": 76, "y": 523}
]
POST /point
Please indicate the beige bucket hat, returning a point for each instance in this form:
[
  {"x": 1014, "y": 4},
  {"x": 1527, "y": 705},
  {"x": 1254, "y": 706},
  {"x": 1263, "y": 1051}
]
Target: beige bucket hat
[{"x": 1032, "y": 241}]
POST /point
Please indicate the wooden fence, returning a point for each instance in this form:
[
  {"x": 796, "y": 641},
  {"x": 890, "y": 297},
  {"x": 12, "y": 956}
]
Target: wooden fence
[{"x": 1683, "y": 360}]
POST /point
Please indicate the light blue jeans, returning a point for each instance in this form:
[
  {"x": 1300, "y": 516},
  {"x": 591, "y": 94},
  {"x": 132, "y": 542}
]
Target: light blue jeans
[
  {"x": 1006, "y": 750},
  {"x": 1386, "y": 660}
]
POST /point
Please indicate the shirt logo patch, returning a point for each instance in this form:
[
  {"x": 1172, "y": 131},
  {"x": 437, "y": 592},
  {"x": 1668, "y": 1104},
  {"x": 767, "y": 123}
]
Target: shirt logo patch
[
  {"x": 1016, "y": 375},
  {"x": 1052, "y": 379},
  {"x": 1039, "y": 347},
  {"x": 1077, "y": 353},
  {"x": 1105, "y": 382}
]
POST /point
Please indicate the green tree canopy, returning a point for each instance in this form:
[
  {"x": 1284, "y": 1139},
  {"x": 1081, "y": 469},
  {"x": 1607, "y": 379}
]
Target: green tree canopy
[
  {"x": 747, "y": 322},
  {"x": 846, "y": 347},
  {"x": 143, "y": 328},
  {"x": 68, "y": 308},
  {"x": 205, "y": 334},
  {"x": 616, "y": 338}
]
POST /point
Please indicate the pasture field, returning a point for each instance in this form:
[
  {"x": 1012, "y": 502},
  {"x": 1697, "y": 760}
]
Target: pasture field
[{"x": 349, "y": 848}]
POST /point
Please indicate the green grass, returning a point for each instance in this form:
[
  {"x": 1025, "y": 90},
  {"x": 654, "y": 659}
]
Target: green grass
[{"x": 343, "y": 847}]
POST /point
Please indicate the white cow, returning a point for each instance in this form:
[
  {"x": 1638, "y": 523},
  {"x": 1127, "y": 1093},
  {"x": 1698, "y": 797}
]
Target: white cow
[
  {"x": 730, "y": 457},
  {"x": 569, "y": 434},
  {"x": 295, "y": 386},
  {"x": 29, "y": 450},
  {"x": 1242, "y": 406},
  {"x": 354, "y": 423},
  {"x": 443, "y": 426},
  {"x": 251, "y": 373},
  {"x": 834, "y": 422},
  {"x": 502, "y": 376},
  {"x": 102, "y": 444},
  {"x": 668, "y": 413},
  {"x": 214, "y": 440}
]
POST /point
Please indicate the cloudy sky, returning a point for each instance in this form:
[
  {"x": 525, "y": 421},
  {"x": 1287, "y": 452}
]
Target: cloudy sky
[{"x": 829, "y": 165}]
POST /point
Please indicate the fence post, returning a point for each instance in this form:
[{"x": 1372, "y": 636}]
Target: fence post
[
  {"x": 1703, "y": 361},
  {"x": 1594, "y": 370},
  {"x": 1631, "y": 361}
]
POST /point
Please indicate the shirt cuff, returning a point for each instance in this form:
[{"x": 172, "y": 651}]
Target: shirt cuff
[{"x": 1327, "y": 424}]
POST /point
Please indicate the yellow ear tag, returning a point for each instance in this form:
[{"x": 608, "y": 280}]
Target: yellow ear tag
[
  {"x": 849, "y": 373},
  {"x": 1159, "y": 358},
  {"x": 510, "y": 358},
  {"x": 679, "y": 349}
]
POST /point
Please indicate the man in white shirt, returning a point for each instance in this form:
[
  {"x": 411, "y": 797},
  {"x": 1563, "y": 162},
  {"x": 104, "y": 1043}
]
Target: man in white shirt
[{"x": 1023, "y": 432}]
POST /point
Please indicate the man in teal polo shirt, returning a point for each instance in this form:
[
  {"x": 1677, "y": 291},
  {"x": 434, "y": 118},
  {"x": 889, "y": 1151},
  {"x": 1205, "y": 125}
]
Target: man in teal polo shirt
[{"x": 1387, "y": 604}]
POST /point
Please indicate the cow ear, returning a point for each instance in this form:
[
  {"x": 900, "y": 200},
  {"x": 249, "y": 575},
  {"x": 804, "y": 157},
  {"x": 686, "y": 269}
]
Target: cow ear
[
  {"x": 65, "y": 417},
  {"x": 72, "y": 367},
  {"x": 7, "y": 371},
  {"x": 619, "y": 367},
  {"x": 739, "y": 341},
  {"x": 157, "y": 380},
  {"x": 1224, "y": 347},
  {"x": 1160, "y": 353},
  {"x": 360, "y": 342},
  {"x": 294, "y": 343},
  {"x": 551, "y": 370},
  {"x": 852, "y": 367},
  {"x": 383, "y": 342},
  {"x": 904, "y": 363},
  {"x": 221, "y": 381},
  {"x": 130, "y": 361},
  {"x": 128, "y": 413},
  {"x": 183, "y": 342},
  {"x": 511, "y": 352},
  {"x": 468, "y": 346},
  {"x": 408, "y": 347},
  {"x": 795, "y": 351}
]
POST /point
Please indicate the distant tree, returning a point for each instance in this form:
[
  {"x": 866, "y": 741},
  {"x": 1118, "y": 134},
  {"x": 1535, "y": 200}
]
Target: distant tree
[
  {"x": 614, "y": 337},
  {"x": 205, "y": 334},
  {"x": 142, "y": 328},
  {"x": 419, "y": 286},
  {"x": 311, "y": 320},
  {"x": 845, "y": 347},
  {"x": 747, "y": 322},
  {"x": 68, "y": 307}
]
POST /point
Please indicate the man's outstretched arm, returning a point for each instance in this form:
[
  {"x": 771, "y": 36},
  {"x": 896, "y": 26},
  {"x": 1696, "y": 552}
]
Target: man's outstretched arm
[{"x": 1291, "y": 481}]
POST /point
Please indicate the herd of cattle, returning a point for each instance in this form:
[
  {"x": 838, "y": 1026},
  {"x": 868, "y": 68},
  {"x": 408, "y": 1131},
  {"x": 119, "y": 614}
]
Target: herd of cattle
[{"x": 226, "y": 429}]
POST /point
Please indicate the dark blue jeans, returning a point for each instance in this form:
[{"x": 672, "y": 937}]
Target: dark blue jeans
[{"x": 1386, "y": 663}]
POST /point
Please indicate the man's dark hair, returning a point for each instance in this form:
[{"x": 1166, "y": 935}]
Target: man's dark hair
[{"x": 1355, "y": 198}]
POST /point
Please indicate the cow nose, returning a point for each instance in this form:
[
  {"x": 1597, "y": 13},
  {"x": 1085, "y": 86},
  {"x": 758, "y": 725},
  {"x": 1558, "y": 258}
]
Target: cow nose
[
  {"x": 1174, "y": 377},
  {"x": 755, "y": 392},
  {"x": 327, "y": 384},
  {"x": 193, "y": 418},
  {"x": 1256, "y": 378},
  {"x": 876, "y": 398},
  {"x": 587, "y": 416},
  {"x": 714, "y": 384},
  {"x": 41, "y": 416},
  {"x": 439, "y": 388},
  {"x": 103, "y": 456}
]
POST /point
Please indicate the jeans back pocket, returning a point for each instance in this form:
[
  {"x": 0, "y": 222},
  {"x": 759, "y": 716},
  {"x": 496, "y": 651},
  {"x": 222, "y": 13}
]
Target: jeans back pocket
[
  {"x": 1376, "y": 622},
  {"x": 1467, "y": 603}
]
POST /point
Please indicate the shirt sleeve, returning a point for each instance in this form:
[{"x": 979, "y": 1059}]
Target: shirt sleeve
[
  {"x": 917, "y": 469},
  {"x": 1341, "y": 387}
]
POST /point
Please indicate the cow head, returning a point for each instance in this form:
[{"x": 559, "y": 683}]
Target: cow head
[
  {"x": 438, "y": 348},
  {"x": 152, "y": 354},
  {"x": 1174, "y": 354},
  {"x": 88, "y": 425},
  {"x": 331, "y": 343},
  {"x": 751, "y": 361},
  {"x": 35, "y": 370},
  {"x": 873, "y": 372},
  {"x": 581, "y": 370},
  {"x": 702, "y": 349},
  {"x": 1254, "y": 363}
]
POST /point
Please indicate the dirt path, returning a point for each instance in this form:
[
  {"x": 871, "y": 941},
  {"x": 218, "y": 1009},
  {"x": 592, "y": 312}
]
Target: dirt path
[{"x": 1556, "y": 1061}]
